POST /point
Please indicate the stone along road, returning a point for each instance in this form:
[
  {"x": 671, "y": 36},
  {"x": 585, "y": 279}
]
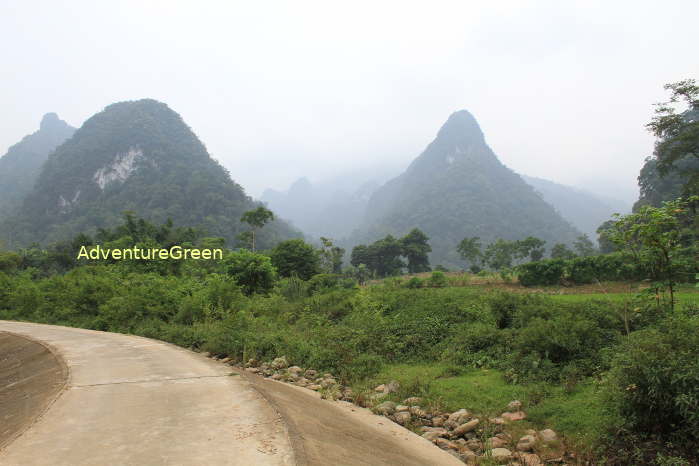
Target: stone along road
[{"x": 74, "y": 397}]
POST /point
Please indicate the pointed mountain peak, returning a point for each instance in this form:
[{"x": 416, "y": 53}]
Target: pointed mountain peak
[
  {"x": 51, "y": 121},
  {"x": 461, "y": 125}
]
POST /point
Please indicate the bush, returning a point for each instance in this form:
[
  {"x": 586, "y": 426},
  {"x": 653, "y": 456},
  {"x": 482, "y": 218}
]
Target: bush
[
  {"x": 437, "y": 280},
  {"x": 546, "y": 272},
  {"x": 654, "y": 381},
  {"x": 413, "y": 283},
  {"x": 253, "y": 272},
  {"x": 295, "y": 256}
]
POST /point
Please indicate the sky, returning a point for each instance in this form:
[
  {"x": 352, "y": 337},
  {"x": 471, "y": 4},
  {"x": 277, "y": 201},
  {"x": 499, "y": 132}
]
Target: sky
[{"x": 280, "y": 90}]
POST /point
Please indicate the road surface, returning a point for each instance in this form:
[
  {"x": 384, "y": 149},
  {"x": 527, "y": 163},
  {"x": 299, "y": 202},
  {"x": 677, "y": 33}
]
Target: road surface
[{"x": 80, "y": 398}]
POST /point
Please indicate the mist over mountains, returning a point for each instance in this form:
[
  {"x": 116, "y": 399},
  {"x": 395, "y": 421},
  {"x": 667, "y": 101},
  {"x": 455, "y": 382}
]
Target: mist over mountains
[{"x": 456, "y": 188}]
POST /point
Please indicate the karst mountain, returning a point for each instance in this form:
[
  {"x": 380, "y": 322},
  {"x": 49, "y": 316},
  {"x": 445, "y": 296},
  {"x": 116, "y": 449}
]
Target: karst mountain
[
  {"x": 458, "y": 188},
  {"x": 136, "y": 156}
]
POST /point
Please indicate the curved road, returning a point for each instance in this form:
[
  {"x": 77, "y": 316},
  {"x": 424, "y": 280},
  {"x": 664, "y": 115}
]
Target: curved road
[{"x": 135, "y": 401}]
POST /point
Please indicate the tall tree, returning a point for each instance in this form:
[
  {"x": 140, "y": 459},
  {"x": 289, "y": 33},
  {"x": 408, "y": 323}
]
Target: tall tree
[
  {"x": 678, "y": 133},
  {"x": 530, "y": 247},
  {"x": 653, "y": 236},
  {"x": 499, "y": 254},
  {"x": 561, "y": 251},
  {"x": 256, "y": 218},
  {"x": 330, "y": 256},
  {"x": 415, "y": 248},
  {"x": 584, "y": 247},
  {"x": 470, "y": 250}
]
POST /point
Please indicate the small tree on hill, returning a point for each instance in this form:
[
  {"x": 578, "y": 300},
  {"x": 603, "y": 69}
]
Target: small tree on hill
[
  {"x": 584, "y": 247},
  {"x": 331, "y": 256},
  {"x": 256, "y": 218},
  {"x": 470, "y": 250},
  {"x": 416, "y": 249},
  {"x": 653, "y": 236},
  {"x": 561, "y": 251}
]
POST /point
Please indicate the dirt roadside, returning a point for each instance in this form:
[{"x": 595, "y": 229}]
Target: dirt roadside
[
  {"x": 31, "y": 377},
  {"x": 326, "y": 432}
]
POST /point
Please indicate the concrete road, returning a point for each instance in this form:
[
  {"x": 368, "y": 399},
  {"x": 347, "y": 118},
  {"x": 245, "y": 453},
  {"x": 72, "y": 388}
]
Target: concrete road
[{"x": 134, "y": 401}]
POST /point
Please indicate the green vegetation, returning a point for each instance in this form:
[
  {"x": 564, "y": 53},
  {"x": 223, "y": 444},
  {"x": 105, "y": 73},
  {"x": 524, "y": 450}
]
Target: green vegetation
[
  {"x": 568, "y": 358},
  {"x": 383, "y": 258}
]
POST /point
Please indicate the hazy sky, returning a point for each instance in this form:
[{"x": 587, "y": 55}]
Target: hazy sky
[{"x": 278, "y": 90}]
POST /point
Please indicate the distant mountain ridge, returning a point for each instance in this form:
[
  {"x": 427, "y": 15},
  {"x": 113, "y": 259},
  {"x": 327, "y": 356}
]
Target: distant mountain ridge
[
  {"x": 20, "y": 166},
  {"x": 458, "y": 188},
  {"x": 135, "y": 156},
  {"x": 583, "y": 209}
]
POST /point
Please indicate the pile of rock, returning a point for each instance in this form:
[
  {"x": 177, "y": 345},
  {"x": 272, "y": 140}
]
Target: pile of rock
[{"x": 461, "y": 433}]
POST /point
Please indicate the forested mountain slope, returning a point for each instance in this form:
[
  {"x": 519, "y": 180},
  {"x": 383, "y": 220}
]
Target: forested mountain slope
[{"x": 135, "y": 156}]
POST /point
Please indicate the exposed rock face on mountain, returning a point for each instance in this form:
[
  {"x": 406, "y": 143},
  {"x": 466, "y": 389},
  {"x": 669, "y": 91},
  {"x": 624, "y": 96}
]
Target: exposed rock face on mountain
[
  {"x": 138, "y": 156},
  {"x": 20, "y": 167},
  {"x": 458, "y": 188},
  {"x": 582, "y": 209}
]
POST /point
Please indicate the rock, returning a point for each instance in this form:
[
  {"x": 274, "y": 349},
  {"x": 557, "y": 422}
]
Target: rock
[
  {"x": 516, "y": 416},
  {"x": 386, "y": 408},
  {"x": 402, "y": 418},
  {"x": 438, "y": 421},
  {"x": 328, "y": 382},
  {"x": 252, "y": 362},
  {"x": 413, "y": 400},
  {"x": 474, "y": 445},
  {"x": 445, "y": 444},
  {"x": 530, "y": 459},
  {"x": 402, "y": 408},
  {"x": 431, "y": 436},
  {"x": 302, "y": 382},
  {"x": 497, "y": 421},
  {"x": 391, "y": 387},
  {"x": 380, "y": 388},
  {"x": 496, "y": 442},
  {"x": 466, "y": 427},
  {"x": 417, "y": 411},
  {"x": 328, "y": 375},
  {"x": 225, "y": 360},
  {"x": 515, "y": 405},
  {"x": 457, "y": 418},
  {"x": 526, "y": 443},
  {"x": 280, "y": 363},
  {"x": 501, "y": 455},
  {"x": 310, "y": 374},
  {"x": 467, "y": 456},
  {"x": 347, "y": 394},
  {"x": 296, "y": 370},
  {"x": 254, "y": 370},
  {"x": 314, "y": 386},
  {"x": 276, "y": 376},
  {"x": 439, "y": 430},
  {"x": 548, "y": 436}
]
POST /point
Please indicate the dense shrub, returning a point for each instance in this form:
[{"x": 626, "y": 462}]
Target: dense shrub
[
  {"x": 546, "y": 272},
  {"x": 654, "y": 381}
]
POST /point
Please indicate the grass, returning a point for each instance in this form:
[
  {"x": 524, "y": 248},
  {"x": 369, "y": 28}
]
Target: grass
[{"x": 575, "y": 413}]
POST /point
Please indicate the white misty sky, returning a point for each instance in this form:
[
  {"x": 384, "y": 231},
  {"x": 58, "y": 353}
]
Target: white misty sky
[{"x": 279, "y": 90}]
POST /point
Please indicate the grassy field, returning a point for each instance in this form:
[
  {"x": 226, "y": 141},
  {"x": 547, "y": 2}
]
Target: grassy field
[{"x": 575, "y": 412}]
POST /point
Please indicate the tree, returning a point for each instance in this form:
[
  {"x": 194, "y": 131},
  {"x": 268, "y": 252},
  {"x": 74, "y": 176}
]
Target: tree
[
  {"x": 416, "y": 249},
  {"x": 257, "y": 218},
  {"x": 499, "y": 254},
  {"x": 253, "y": 272},
  {"x": 677, "y": 133},
  {"x": 606, "y": 245},
  {"x": 296, "y": 257},
  {"x": 561, "y": 251},
  {"x": 530, "y": 247},
  {"x": 653, "y": 237},
  {"x": 584, "y": 247},
  {"x": 330, "y": 256},
  {"x": 470, "y": 250},
  {"x": 382, "y": 257}
]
